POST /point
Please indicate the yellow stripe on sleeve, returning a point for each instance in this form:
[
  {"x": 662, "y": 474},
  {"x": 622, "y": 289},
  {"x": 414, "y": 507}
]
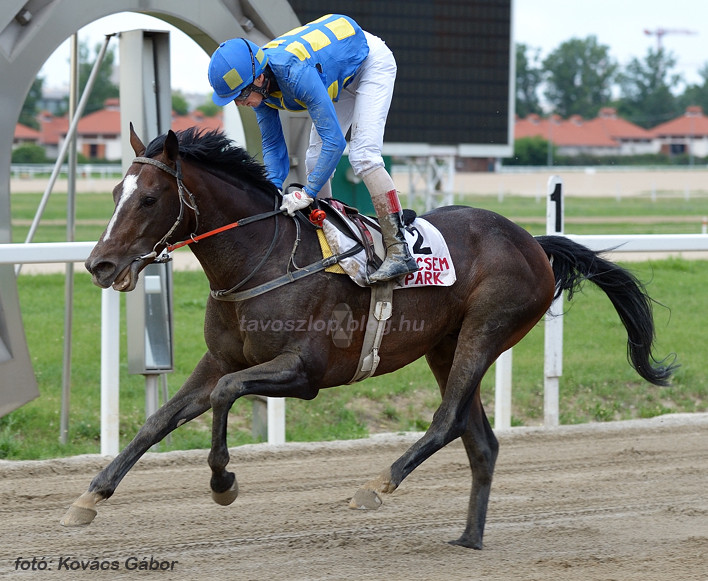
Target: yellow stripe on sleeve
[
  {"x": 316, "y": 39},
  {"x": 298, "y": 49},
  {"x": 341, "y": 28}
]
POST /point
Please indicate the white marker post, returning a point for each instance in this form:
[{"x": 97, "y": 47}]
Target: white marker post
[
  {"x": 502, "y": 391},
  {"x": 553, "y": 339},
  {"x": 276, "y": 420},
  {"x": 110, "y": 368}
]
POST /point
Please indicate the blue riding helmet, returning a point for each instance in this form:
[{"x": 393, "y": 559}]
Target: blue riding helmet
[{"x": 233, "y": 67}]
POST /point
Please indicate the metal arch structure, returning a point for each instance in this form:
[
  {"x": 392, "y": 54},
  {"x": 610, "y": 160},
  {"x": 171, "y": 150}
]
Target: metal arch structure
[{"x": 30, "y": 31}]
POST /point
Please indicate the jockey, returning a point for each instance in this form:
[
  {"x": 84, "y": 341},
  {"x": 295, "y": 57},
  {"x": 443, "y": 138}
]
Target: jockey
[{"x": 344, "y": 77}]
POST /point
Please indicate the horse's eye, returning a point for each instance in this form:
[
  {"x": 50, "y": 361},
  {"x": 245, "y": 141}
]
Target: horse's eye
[{"x": 148, "y": 201}]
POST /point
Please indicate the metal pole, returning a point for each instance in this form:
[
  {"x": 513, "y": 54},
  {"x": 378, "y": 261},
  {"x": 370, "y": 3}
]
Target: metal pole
[
  {"x": 70, "y": 237},
  {"x": 65, "y": 145},
  {"x": 152, "y": 400},
  {"x": 165, "y": 397}
]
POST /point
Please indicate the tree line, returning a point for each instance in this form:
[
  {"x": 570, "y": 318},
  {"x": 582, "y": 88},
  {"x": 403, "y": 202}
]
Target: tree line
[{"x": 581, "y": 76}]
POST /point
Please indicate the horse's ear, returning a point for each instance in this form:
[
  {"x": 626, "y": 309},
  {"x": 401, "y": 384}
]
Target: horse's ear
[
  {"x": 135, "y": 142},
  {"x": 171, "y": 147}
]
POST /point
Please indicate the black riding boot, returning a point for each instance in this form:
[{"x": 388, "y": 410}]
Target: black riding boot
[{"x": 398, "y": 257}]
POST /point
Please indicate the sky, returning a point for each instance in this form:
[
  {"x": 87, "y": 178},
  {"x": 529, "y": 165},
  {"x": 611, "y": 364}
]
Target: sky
[
  {"x": 620, "y": 25},
  {"x": 189, "y": 62},
  {"x": 542, "y": 24}
]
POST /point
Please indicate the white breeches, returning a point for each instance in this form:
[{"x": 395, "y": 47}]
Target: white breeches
[{"x": 363, "y": 106}]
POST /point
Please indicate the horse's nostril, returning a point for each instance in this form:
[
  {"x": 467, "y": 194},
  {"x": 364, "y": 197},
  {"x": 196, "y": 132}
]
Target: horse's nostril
[{"x": 100, "y": 269}]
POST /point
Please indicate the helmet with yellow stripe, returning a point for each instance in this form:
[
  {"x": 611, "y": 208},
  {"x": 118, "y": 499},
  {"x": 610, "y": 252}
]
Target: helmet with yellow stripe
[{"x": 233, "y": 67}]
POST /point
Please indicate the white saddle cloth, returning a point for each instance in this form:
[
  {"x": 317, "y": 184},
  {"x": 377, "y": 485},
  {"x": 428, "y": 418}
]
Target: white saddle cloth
[{"x": 425, "y": 242}]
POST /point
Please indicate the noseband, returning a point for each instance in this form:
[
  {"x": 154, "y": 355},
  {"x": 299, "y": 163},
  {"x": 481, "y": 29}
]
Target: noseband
[{"x": 184, "y": 193}]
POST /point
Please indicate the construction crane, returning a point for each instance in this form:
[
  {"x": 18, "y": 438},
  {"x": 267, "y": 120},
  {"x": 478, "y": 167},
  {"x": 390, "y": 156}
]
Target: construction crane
[{"x": 660, "y": 32}]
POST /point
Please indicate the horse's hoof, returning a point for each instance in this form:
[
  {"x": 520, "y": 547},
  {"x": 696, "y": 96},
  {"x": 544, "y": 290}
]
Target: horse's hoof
[
  {"x": 466, "y": 542},
  {"x": 365, "y": 500},
  {"x": 227, "y": 497},
  {"x": 78, "y": 516}
]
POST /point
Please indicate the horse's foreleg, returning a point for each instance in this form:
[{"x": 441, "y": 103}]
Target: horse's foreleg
[
  {"x": 189, "y": 402},
  {"x": 284, "y": 376}
]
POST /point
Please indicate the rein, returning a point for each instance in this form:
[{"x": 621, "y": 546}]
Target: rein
[
  {"x": 192, "y": 205},
  {"x": 231, "y": 294}
]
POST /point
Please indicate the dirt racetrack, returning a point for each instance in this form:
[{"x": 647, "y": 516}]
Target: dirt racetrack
[{"x": 620, "y": 501}]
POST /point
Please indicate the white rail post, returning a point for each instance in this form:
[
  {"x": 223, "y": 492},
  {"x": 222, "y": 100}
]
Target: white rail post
[
  {"x": 553, "y": 337},
  {"x": 110, "y": 372},
  {"x": 276, "y": 420},
  {"x": 502, "y": 391}
]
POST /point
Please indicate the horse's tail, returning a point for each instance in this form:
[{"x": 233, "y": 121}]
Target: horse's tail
[{"x": 574, "y": 263}]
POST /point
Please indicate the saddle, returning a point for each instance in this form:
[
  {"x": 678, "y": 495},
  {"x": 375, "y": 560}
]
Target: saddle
[
  {"x": 359, "y": 227},
  {"x": 340, "y": 227}
]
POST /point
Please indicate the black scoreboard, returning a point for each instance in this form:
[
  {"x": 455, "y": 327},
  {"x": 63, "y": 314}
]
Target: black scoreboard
[{"x": 454, "y": 81}]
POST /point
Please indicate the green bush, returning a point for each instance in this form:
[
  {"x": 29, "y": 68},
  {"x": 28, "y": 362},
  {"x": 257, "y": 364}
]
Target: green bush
[
  {"x": 530, "y": 151},
  {"x": 29, "y": 153}
]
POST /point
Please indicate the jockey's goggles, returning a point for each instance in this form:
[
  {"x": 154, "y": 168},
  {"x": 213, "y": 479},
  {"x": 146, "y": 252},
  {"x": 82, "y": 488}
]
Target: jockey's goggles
[{"x": 252, "y": 88}]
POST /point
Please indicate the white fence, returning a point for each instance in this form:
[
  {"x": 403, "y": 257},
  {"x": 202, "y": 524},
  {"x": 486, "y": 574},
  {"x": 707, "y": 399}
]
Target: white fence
[
  {"x": 553, "y": 338},
  {"x": 89, "y": 170}
]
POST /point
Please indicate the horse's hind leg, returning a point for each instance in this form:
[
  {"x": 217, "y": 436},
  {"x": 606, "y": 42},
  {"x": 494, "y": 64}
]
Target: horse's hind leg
[
  {"x": 459, "y": 415},
  {"x": 480, "y": 443},
  {"x": 482, "y": 448}
]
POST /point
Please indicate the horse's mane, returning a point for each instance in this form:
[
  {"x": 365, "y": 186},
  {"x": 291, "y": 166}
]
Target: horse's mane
[{"x": 218, "y": 152}]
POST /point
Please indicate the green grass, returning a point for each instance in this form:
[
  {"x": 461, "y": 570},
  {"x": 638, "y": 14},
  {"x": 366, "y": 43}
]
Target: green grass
[
  {"x": 668, "y": 214},
  {"x": 92, "y": 214},
  {"x": 88, "y": 206},
  {"x": 597, "y": 384},
  {"x": 579, "y": 207},
  {"x": 630, "y": 215}
]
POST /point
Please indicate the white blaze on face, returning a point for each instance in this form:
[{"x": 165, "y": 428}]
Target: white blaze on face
[{"x": 130, "y": 185}]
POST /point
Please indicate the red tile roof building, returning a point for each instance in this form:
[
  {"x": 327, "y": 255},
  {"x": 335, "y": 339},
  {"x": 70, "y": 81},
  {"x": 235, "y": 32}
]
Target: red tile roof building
[
  {"x": 98, "y": 133},
  {"x": 685, "y": 134},
  {"x": 607, "y": 134},
  {"x": 52, "y": 130},
  {"x": 196, "y": 118},
  {"x": 24, "y": 134}
]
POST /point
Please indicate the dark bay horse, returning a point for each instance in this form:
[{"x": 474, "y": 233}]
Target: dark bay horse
[{"x": 182, "y": 187}]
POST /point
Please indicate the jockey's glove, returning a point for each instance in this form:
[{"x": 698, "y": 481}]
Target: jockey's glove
[{"x": 294, "y": 201}]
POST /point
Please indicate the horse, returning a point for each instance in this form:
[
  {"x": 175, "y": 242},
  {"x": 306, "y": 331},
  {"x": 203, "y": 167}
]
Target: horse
[{"x": 202, "y": 187}]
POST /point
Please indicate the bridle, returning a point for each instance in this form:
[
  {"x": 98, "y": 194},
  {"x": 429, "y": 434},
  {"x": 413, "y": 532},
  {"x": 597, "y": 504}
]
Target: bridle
[
  {"x": 184, "y": 196},
  {"x": 186, "y": 199},
  {"x": 184, "y": 193}
]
